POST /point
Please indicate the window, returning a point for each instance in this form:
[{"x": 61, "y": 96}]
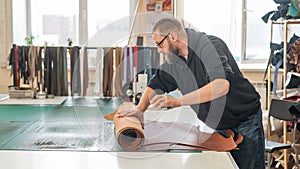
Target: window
[
  {"x": 53, "y": 22},
  {"x": 257, "y": 31},
  {"x": 219, "y": 17},
  {"x": 49, "y": 22},
  {"x": 110, "y": 20},
  {"x": 19, "y": 22},
  {"x": 225, "y": 20},
  {"x": 108, "y": 25}
]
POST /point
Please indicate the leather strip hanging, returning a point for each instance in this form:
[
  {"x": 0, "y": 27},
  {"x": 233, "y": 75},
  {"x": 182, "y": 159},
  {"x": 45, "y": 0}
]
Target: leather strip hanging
[
  {"x": 75, "y": 70},
  {"x": 132, "y": 135},
  {"x": 85, "y": 75},
  {"x": 58, "y": 72},
  {"x": 125, "y": 57},
  {"x": 147, "y": 61},
  {"x": 107, "y": 72},
  {"x": 119, "y": 71},
  {"x": 135, "y": 59},
  {"x": 17, "y": 75},
  {"x": 99, "y": 72},
  {"x": 64, "y": 70}
]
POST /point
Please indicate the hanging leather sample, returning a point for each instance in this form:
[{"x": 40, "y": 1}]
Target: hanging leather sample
[
  {"x": 39, "y": 69},
  {"x": 62, "y": 72},
  {"x": 84, "y": 71},
  {"x": 11, "y": 63},
  {"x": 58, "y": 72},
  {"x": 127, "y": 86},
  {"x": 32, "y": 54},
  {"x": 126, "y": 65},
  {"x": 119, "y": 71},
  {"x": 141, "y": 66},
  {"x": 47, "y": 70},
  {"x": 107, "y": 72},
  {"x": 75, "y": 71},
  {"x": 98, "y": 91},
  {"x": 16, "y": 67},
  {"x": 136, "y": 57},
  {"x": 55, "y": 61},
  {"x": 155, "y": 60},
  {"x": 147, "y": 61},
  {"x": 23, "y": 64}
]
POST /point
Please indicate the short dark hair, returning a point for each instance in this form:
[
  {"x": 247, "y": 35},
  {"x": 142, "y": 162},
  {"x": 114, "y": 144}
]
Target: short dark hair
[{"x": 166, "y": 25}]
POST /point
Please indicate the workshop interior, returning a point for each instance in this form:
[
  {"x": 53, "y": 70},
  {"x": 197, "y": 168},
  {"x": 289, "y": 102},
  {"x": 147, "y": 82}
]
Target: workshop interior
[{"x": 67, "y": 68}]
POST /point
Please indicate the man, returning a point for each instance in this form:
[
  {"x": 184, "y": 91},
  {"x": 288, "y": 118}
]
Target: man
[{"x": 204, "y": 70}]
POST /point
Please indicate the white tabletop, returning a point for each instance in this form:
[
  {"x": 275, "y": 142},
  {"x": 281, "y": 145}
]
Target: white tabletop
[{"x": 114, "y": 160}]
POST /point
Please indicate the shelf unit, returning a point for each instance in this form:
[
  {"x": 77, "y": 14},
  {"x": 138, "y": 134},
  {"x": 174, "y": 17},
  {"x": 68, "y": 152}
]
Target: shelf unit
[{"x": 285, "y": 24}]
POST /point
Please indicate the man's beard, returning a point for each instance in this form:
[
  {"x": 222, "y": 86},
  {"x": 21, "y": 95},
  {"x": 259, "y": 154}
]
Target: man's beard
[{"x": 173, "y": 53}]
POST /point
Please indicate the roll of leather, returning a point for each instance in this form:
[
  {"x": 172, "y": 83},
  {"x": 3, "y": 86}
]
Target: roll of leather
[
  {"x": 134, "y": 135},
  {"x": 129, "y": 132}
]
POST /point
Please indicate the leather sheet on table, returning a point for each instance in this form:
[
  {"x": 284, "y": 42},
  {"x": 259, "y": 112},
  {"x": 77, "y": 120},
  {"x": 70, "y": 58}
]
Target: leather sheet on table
[
  {"x": 132, "y": 135},
  {"x": 173, "y": 135}
]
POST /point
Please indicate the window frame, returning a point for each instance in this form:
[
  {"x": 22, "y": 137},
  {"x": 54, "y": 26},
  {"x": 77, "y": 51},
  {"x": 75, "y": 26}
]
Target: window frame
[{"x": 244, "y": 59}]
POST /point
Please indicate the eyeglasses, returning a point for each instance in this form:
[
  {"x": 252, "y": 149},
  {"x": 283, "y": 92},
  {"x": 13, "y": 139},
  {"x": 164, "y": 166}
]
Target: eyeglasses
[{"x": 159, "y": 43}]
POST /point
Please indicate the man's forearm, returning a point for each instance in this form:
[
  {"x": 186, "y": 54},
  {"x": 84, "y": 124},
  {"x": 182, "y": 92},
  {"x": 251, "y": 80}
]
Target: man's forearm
[
  {"x": 211, "y": 91},
  {"x": 145, "y": 99}
]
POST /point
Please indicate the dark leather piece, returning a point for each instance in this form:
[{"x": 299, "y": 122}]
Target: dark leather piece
[{"x": 75, "y": 70}]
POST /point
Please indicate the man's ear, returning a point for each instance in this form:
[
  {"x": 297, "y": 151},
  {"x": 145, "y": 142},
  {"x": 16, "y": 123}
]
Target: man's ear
[{"x": 174, "y": 36}]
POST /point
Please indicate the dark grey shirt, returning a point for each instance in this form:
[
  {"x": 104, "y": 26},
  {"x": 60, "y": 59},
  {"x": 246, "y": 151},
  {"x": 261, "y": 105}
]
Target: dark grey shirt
[{"x": 208, "y": 59}]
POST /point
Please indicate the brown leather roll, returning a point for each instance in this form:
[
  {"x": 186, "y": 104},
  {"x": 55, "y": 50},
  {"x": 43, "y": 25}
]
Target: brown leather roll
[
  {"x": 134, "y": 135},
  {"x": 129, "y": 132}
]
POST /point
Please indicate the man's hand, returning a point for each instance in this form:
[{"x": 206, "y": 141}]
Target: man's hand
[
  {"x": 163, "y": 101},
  {"x": 130, "y": 110}
]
